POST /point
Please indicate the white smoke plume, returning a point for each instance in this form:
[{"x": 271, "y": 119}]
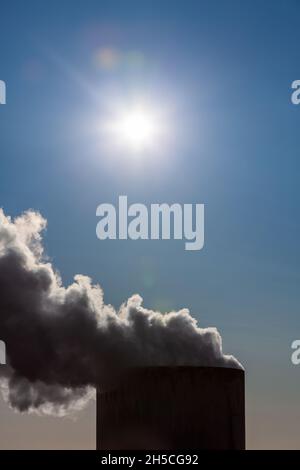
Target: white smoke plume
[{"x": 62, "y": 341}]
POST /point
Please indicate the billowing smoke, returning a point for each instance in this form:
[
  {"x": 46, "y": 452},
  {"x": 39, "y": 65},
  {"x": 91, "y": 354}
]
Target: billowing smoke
[{"x": 62, "y": 341}]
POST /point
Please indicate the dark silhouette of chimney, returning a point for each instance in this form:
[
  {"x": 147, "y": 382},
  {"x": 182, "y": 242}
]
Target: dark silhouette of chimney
[{"x": 169, "y": 408}]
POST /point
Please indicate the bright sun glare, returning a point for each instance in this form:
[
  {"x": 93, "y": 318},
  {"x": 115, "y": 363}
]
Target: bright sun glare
[{"x": 135, "y": 130}]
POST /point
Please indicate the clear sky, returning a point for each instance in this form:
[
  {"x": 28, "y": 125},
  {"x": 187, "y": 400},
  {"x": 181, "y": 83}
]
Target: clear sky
[{"x": 221, "y": 73}]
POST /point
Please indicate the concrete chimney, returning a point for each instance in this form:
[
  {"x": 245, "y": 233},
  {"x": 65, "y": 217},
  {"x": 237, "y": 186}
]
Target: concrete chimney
[{"x": 173, "y": 408}]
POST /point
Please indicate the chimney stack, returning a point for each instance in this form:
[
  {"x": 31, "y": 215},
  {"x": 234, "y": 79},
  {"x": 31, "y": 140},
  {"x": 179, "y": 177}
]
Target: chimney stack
[{"x": 172, "y": 408}]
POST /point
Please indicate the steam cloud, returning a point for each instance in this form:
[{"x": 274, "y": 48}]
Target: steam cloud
[{"x": 62, "y": 341}]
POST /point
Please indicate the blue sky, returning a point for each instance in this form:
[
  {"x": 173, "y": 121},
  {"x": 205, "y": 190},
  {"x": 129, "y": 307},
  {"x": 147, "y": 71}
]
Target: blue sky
[{"x": 223, "y": 70}]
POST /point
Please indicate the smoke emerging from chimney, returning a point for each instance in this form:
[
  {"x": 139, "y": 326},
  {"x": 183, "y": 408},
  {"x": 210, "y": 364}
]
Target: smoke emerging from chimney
[{"x": 63, "y": 341}]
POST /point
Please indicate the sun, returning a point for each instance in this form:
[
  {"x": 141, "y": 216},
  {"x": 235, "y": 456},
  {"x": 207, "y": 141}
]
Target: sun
[{"x": 136, "y": 129}]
